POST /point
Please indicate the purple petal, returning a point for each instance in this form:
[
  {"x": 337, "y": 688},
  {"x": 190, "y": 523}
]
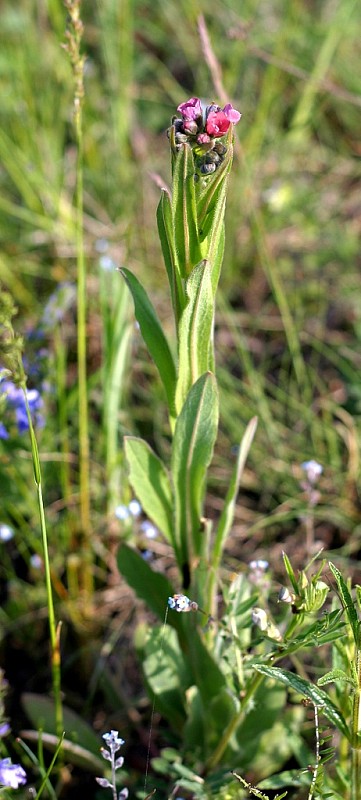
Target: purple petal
[
  {"x": 191, "y": 109},
  {"x": 231, "y": 113}
]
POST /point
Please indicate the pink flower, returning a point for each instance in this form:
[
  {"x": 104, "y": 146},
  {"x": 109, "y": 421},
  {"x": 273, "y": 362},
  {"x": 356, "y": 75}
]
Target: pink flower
[
  {"x": 217, "y": 123},
  {"x": 218, "y": 120},
  {"x": 191, "y": 109}
]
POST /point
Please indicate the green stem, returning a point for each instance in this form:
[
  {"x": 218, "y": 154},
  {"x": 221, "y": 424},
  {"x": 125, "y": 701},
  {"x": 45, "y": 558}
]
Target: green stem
[
  {"x": 356, "y": 744},
  {"x": 216, "y": 756},
  {"x": 81, "y": 341},
  {"x": 74, "y": 35},
  {"x": 53, "y": 628}
]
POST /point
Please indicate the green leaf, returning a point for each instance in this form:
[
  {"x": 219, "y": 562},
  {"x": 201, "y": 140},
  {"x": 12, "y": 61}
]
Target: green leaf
[
  {"x": 162, "y": 663},
  {"x": 155, "y": 589},
  {"x": 193, "y": 442},
  {"x": 153, "y": 336},
  {"x": 75, "y": 753},
  {"x": 80, "y": 738},
  {"x": 150, "y": 586},
  {"x": 347, "y": 603},
  {"x": 195, "y": 331},
  {"x": 149, "y": 479},
  {"x": 214, "y": 253},
  {"x": 186, "y": 239},
  {"x": 317, "y": 696},
  {"x": 226, "y": 519},
  {"x": 166, "y": 235},
  {"x": 212, "y": 192},
  {"x": 336, "y": 675},
  {"x": 290, "y": 573}
]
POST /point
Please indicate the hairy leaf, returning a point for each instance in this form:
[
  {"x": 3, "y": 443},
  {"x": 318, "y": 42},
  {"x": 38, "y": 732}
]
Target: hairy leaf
[
  {"x": 149, "y": 479},
  {"x": 195, "y": 331},
  {"x": 185, "y": 230},
  {"x": 193, "y": 442},
  {"x": 347, "y": 603},
  {"x": 153, "y": 336},
  {"x": 318, "y": 697}
]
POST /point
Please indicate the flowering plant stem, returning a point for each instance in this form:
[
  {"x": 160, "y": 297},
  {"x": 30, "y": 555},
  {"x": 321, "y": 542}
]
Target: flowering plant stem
[{"x": 191, "y": 230}]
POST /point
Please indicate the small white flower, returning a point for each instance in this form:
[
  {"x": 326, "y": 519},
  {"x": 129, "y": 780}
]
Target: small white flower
[
  {"x": 122, "y": 512},
  {"x": 149, "y": 530},
  {"x": 36, "y": 561},
  {"x": 312, "y": 469},
  {"x": 260, "y": 564},
  {"x": 107, "y": 264},
  {"x": 259, "y": 618},
  {"x": 135, "y": 508},
  {"x": 6, "y": 532}
]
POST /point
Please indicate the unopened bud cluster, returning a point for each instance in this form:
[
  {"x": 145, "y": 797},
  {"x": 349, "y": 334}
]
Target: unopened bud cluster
[{"x": 202, "y": 131}]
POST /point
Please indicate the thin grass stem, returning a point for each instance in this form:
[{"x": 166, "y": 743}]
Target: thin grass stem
[{"x": 54, "y": 630}]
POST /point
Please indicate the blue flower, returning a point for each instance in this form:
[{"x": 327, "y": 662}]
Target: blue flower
[
  {"x": 179, "y": 602},
  {"x": 113, "y": 741},
  {"x": 16, "y": 400},
  {"x": 11, "y": 775},
  {"x": 3, "y": 432}
]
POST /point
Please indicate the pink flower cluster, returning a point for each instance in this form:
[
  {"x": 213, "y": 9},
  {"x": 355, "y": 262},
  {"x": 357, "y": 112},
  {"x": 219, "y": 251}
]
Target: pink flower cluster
[{"x": 216, "y": 121}]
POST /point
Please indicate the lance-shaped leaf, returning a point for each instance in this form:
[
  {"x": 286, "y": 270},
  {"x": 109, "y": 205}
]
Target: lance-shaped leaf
[
  {"x": 211, "y": 193},
  {"x": 149, "y": 479},
  {"x": 193, "y": 442},
  {"x": 184, "y": 209},
  {"x": 317, "y": 696},
  {"x": 348, "y": 603},
  {"x": 215, "y": 248},
  {"x": 195, "y": 331},
  {"x": 153, "y": 336},
  {"x": 226, "y": 519},
  {"x": 166, "y": 235}
]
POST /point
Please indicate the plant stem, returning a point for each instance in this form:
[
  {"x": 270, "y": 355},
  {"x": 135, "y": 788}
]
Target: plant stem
[
  {"x": 356, "y": 726},
  {"x": 53, "y": 628},
  {"x": 81, "y": 343},
  {"x": 216, "y": 756},
  {"x": 74, "y": 37}
]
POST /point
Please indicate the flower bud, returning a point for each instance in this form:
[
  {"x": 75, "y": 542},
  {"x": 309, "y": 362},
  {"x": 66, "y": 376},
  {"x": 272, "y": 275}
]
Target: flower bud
[{"x": 259, "y": 618}]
